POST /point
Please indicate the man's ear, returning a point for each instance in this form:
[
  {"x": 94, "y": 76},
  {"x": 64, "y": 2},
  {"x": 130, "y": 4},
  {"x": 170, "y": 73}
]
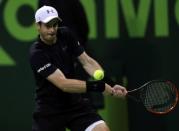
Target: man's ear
[{"x": 37, "y": 26}]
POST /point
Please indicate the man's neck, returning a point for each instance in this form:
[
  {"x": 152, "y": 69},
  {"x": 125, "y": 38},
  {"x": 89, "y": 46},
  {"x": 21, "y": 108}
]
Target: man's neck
[{"x": 48, "y": 42}]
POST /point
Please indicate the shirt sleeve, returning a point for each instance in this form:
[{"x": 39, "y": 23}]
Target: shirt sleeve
[
  {"x": 41, "y": 64},
  {"x": 76, "y": 48}
]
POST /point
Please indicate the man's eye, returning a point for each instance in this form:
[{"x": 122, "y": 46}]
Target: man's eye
[
  {"x": 55, "y": 24},
  {"x": 48, "y": 26},
  {"x": 52, "y": 25}
]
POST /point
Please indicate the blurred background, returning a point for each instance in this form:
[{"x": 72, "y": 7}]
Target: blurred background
[{"x": 134, "y": 40}]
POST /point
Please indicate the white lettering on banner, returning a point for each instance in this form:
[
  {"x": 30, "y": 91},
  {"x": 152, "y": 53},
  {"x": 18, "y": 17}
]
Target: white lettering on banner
[{"x": 44, "y": 67}]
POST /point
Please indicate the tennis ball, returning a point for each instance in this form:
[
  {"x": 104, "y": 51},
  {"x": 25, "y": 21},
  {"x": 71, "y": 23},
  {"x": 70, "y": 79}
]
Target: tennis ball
[{"x": 98, "y": 75}]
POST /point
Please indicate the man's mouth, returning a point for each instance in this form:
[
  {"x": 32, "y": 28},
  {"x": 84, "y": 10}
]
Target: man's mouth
[{"x": 52, "y": 34}]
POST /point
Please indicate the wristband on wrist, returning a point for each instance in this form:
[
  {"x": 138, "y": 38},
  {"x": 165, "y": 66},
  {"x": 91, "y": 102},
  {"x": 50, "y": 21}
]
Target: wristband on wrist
[
  {"x": 95, "y": 86},
  {"x": 108, "y": 81}
]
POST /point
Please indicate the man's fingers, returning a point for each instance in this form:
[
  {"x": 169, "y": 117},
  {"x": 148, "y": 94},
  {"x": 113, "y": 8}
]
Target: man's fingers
[{"x": 119, "y": 91}]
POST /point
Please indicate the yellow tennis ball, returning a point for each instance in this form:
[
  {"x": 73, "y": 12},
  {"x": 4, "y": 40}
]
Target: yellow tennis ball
[{"x": 98, "y": 75}]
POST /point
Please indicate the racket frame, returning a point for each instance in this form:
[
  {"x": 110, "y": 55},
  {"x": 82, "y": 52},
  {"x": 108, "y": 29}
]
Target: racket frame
[{"x": 156, "y": 112}]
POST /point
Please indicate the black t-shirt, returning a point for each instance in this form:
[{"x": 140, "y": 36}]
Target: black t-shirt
[{"x": 44, "y": 60}]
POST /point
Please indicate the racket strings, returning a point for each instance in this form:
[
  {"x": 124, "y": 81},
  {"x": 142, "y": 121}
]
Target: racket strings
[{"x": 158, "y": 96}]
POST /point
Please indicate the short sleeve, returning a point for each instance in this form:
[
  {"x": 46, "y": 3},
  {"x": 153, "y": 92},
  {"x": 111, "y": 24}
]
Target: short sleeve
[
  {"x": 41, "y": 64},
  {"x": 76, "y": 48}
]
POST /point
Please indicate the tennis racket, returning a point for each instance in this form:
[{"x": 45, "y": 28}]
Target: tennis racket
[{"x": 157, "y": 96}]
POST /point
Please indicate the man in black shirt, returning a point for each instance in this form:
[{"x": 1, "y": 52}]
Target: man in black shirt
[
  {"x": 59, "y": 104},
  {"x": 74, "y": 17}
]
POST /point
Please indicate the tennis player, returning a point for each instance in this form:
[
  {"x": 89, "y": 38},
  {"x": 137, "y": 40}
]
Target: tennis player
[{"x": 59, "y": 104}]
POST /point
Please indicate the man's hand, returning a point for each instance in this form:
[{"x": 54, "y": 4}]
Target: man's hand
[
  {"x": 108, "y": 90},
  {"x": 119, "y": 91}
]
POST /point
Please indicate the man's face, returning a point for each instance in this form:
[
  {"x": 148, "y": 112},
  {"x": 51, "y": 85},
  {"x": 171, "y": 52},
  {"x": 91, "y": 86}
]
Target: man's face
[{"x": 48, "y": 31}]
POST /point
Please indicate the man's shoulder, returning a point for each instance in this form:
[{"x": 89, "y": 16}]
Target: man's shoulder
[
  {"x": 64, "y": 30},
  {"x": 35, "y": 48}
]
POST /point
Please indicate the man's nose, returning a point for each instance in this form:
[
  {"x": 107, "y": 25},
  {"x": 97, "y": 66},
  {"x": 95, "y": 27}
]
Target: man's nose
[{"x": 52, "y": 28}]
